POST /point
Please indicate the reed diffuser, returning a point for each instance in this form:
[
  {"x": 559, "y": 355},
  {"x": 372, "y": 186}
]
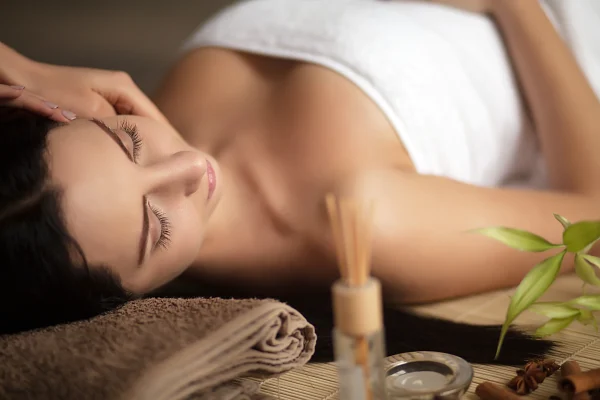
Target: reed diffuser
[{"x": 359, "y": 343}]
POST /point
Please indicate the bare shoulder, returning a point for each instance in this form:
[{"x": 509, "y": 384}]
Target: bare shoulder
[
  {"x": 368, "y": 186},
  {"x": 210, "y": 86}
]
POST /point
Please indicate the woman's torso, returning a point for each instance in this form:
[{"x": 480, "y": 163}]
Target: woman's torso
[{"x": 287, "y": 131}]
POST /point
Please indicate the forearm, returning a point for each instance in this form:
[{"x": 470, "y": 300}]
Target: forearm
[{"x": 565, "y": 109}]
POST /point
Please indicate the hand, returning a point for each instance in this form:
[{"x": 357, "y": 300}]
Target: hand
[
  {"x": 17, "y": 97},
  {"x": 88, "y": 92},
  {"x": 476, "y": 6}
]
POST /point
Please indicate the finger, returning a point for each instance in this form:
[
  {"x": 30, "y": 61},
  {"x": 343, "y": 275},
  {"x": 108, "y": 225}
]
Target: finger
[
  {"x": 92, "y": 105},
  {"x": 126, "y": 97},
  {"x": 59, "y": 114},
  {"x": 34, "y": 104},
  {"x": 8, "y": 92}
]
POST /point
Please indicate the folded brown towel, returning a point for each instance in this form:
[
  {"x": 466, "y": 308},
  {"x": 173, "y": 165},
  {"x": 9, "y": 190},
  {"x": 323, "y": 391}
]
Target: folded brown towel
[{"x": 156, "y": 349}]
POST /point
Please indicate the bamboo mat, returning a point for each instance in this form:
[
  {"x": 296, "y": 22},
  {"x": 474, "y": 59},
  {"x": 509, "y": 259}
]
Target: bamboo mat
[{"x": 580, "y": 343}]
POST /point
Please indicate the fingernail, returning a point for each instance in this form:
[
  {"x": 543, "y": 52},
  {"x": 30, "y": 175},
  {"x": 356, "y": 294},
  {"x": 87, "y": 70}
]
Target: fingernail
[
  {"x": 69, "y": 114},
  {"x": 17, "y": 87},
  {"x": 51, "y": 105}
]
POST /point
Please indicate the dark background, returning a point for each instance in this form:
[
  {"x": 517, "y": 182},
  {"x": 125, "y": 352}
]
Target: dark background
[{"x": 137, "y": 36}]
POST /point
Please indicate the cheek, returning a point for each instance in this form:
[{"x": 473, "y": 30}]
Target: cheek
[{"x": 188, "y": 231}]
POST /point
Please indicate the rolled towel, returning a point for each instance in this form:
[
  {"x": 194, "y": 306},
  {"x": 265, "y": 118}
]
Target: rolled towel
[{"x": 157, "y": 349}]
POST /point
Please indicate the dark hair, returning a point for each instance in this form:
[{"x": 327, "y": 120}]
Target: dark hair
[{"x": 44, "y": 275}]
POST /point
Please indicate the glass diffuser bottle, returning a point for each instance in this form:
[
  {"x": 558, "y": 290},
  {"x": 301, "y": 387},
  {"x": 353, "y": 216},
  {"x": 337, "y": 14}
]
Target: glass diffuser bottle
[{"x": 359, "y": 342}]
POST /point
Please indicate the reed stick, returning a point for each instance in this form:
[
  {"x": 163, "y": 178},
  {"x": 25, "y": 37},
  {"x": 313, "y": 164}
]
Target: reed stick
[
  {"x": 352, "y": 228},
  {"x": 334, "y": 220}
]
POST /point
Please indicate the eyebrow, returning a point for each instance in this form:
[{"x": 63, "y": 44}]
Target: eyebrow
[
  {"x": 145, "y": 236},
  {"x": 113, "y": 136}
]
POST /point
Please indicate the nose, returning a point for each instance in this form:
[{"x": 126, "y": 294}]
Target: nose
[{"x": 181, "y": 172}]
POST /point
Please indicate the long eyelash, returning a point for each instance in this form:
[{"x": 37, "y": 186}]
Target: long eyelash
[
  {"x": 165, "y": 228},
  {"x": 132, "y": 130}
]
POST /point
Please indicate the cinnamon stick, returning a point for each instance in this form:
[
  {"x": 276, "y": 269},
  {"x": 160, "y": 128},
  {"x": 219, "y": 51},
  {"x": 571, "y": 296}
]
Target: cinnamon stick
[
  {"x": 580, "y": 382},
  {"x": 491, "y": 391},
  {"x": 571, "y": 368}
]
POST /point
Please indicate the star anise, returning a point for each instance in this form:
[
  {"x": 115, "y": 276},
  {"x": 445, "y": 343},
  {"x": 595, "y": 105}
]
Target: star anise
[
  {"x": 548, "y": 366},
  {"x": 533, "y": 363},
  {"x": 535, "y": 371},
  {"x": 523, "y": 383}
]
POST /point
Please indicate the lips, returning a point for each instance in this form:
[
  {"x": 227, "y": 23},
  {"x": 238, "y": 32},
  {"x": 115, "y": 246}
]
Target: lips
[{"x": 212, "y": 179}]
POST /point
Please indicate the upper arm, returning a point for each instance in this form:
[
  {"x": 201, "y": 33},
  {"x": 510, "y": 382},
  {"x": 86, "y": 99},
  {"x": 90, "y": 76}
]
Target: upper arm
[
  {"x": 421, "y": 247},
  {"x": 565, "y": 109}
]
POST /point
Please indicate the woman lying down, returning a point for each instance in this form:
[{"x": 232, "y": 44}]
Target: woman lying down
[{"x": 276, "y": 103}]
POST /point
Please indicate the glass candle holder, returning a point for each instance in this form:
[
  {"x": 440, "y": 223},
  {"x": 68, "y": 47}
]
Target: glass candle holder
[{"x": 428, "y": 375}]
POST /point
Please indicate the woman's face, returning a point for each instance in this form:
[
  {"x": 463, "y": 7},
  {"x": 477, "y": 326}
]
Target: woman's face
[{"x": 136, "y": 197}]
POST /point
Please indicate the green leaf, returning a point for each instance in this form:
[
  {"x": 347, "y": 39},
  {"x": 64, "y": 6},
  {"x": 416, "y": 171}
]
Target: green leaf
[
  {"x": 595, "y": 261},
  {"x": 531, "y": 288},
  {"x": 586, "y": 317},
  {"x": 563, "y": 221},
  {"x": 518, "y": 239},
  {"x": 591, "y": 302},
  {"x": 535, "y": 283},
  {"x": 587, "y": 249},
  {"x": 585, "y": 271},
  {"x": 579, "y": 235},
  {"x": 554, "y": 310},
  {"x": 553, "y": 326}
]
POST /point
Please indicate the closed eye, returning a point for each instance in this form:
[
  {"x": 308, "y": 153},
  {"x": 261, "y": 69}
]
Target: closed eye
[
  {"x": 165, "y": 228},
  {"x": 132, "y": 130},
  {"x": 105, "y": 128}
]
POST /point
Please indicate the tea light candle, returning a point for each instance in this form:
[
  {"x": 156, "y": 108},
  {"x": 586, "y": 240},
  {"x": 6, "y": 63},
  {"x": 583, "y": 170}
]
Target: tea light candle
[
  {"x": 428, "y": 375},
  {"x": 419, "y": 380}
]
